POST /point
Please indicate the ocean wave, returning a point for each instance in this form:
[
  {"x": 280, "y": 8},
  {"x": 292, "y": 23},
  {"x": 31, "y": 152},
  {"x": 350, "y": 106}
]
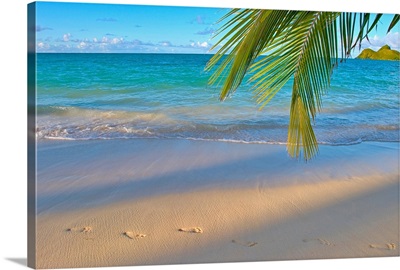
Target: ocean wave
[
  {"x": 355, "y": 142},
  {"x": 233, "y": 134},
  {"x": 73, "y": 123}
]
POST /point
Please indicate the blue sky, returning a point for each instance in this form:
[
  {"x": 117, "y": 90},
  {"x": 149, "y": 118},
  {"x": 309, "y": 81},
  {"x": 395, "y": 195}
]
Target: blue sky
[
  {"x": 74, "y": 27},
  {"x": 70, "y": 27}
]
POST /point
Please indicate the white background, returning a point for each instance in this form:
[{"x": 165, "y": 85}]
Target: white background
[{"x": 13, "y": 172}]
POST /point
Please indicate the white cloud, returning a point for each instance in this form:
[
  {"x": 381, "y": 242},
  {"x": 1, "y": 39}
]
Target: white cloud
[
  {"x": 204, "y": 44},
  {"x": 199, "y": 44},
  {"x": 391, "y": 39},
  {"x": 66, "y": 37},
  {"x": 41, "y": 46},
  {"x": 68, "y": 43},
  {"x": 82, "y": 45},
  {"x": 116, "y": 40},
  {"x": 165, "y": 43}
]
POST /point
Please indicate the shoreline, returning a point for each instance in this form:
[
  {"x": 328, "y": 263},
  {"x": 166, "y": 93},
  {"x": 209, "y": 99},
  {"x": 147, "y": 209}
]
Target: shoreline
[{"x": 250, "y": 202}]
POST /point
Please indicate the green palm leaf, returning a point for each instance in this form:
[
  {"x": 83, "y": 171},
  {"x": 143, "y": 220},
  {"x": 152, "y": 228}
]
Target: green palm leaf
[
  {"x": 395, "y": 20},
  {"x": 277, "y": 45}
]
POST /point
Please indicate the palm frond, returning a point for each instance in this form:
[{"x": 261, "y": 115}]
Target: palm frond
[
  {"x": 251, "y": 36},
  {"x": 311, "y": 79},
  {"x": 277, "y": 45},
  {"x": 285, "y": 39},
  {"x": 365, "y": 28},
  {"x": 395, "y": 20}
]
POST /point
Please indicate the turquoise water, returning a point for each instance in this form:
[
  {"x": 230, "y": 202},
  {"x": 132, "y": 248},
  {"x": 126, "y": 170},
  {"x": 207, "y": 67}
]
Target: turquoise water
[{"x": 129, "y": 96}]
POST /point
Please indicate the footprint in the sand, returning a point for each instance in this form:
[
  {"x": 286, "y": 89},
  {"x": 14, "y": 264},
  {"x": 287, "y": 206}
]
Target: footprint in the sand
[
  {"x": 388, "y": 246},
  {"x": 86, "y": 229},
  {"x": 133, "y": 235},
  {"x": 319, "y": 240},
  {"x": 191, "y": 230},
  {"x": 247, "y": 244}
]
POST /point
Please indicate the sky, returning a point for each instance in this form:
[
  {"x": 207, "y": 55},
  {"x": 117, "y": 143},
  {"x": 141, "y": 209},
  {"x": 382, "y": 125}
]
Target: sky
[
  {"x": 73, "y": 27},
  {"x": 106, "y": 28}
]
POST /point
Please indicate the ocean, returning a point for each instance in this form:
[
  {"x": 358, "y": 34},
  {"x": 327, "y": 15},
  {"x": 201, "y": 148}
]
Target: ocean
[{"x": 133, "y": 96}]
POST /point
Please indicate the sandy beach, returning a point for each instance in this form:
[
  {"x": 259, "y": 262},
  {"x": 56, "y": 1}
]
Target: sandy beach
[{"x": 154, "y": 201}]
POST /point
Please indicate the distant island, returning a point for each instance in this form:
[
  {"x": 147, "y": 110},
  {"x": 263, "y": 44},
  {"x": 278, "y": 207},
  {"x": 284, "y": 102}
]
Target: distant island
[{"x": 384, "y": 53}]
